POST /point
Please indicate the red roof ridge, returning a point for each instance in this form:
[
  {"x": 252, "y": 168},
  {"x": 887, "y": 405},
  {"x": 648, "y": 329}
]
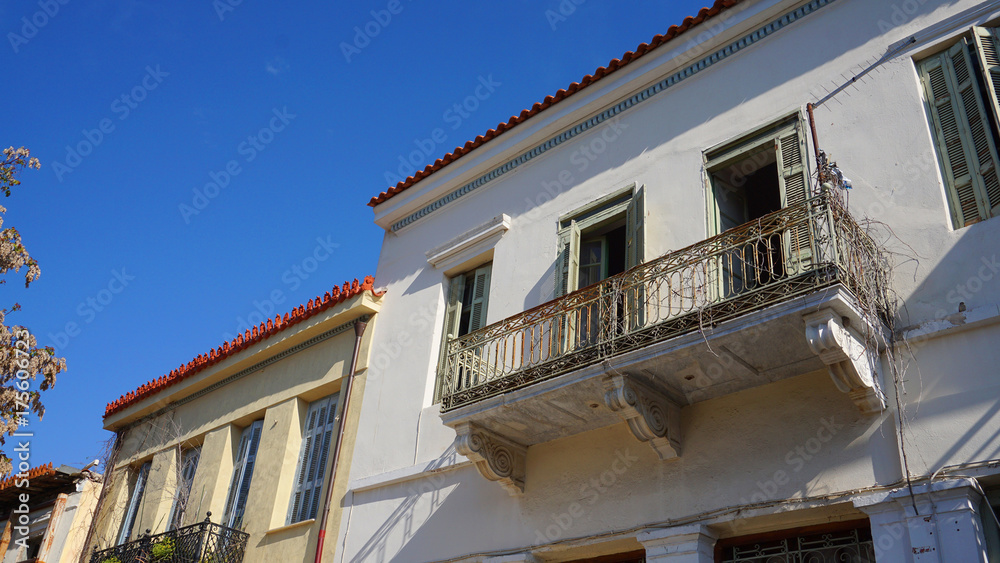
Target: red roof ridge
[
  {"x": 612, "y": 66},
  {"x": 32, "y": 473},
  {"x": 243, "y": 341}
]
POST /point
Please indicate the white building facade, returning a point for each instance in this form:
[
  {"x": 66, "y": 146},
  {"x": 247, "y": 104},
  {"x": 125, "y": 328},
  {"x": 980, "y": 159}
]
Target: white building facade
[{"x": 648, "y": 319}]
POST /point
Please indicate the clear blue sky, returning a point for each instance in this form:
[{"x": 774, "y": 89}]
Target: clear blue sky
[{"x": 155, "y": 99}]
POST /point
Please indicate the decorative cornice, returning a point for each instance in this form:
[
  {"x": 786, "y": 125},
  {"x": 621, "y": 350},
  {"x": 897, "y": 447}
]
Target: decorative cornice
[
  {"x": 850, "y": 362},
  {"x": 243, "y": 341},
  {"x": 651, "y": 415},
  {"x": 491, "y": 230},
  {"x": 247, "y": 371},
  {"x": 496, "y": 458},
  {"x": 636, "y": 99}
]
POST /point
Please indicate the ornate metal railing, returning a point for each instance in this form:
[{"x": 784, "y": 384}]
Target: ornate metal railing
[
  {"x": 791, "y": 252},
  {"x": 203, "y": 542}
]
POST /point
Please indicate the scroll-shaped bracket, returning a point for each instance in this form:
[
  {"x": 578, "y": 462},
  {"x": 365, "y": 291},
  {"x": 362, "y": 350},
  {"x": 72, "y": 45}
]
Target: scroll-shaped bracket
[
  {"x": 496, "y": 458},
  {"x": 651, "y": 415},
  {"x": 847, "y": 359}
]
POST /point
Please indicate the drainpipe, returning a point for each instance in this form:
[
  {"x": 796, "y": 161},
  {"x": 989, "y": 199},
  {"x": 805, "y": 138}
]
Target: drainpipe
[
  {"x": 812, "y": 128},
  {"x": 359, "y": 331}
]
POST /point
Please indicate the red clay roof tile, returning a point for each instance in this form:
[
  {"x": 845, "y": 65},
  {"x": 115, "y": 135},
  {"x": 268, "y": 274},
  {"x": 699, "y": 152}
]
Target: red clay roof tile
[
  {"x": 242, "y": 341},
  {"x": 33, "y": 473},
  {"x": 612, "y": 66}
]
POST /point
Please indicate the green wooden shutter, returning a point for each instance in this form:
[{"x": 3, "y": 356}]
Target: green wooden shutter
[
  {"x": 962, "y": 132},
  {"x": 452, "y": 320},
  {"x": 793, "y": 181},
  {"x": 189, "y": 464},
  {"x": 239, "y": 487},
  {"x": 134, "y": 502},
  {"x": 568, "y": 260},
  {"x": 480, "y": 297},
  {"x": 311, "y": 469},
  {"x": 635, "y": 238},
  {"x": 988, "y": 48},
  {"x": 635, "y": 230}
]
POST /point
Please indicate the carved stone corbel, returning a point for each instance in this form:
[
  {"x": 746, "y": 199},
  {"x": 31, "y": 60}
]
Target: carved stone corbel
[
  {"x": 496, "y": 458},
  {"x": 651, "y": 415},
  {"x": 846, "y": 357}
]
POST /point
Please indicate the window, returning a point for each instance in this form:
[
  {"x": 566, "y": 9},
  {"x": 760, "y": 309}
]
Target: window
[
  {"x": 189, "y": 464},
  {"x": 600, "y": 240},
  {"x": 321, "y": 421},
  {"x": 239, "y": 487},
  {"x": 844, "y": 541},
  {"x": 468, "y": 299},
  {"x": 961, "y": 86},
  {"x": 750, "y": 177},
  {"x": 133, "y": 505}
]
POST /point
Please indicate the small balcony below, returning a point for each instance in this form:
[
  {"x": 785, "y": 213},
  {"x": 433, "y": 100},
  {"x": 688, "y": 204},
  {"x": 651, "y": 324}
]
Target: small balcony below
[
  {"x": 797, "y": 290},
  {"x": 199, "y": 543}
]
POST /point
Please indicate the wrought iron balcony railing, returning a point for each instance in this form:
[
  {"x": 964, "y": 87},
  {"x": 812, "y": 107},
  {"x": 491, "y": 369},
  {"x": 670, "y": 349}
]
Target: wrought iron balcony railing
[
  {"x": 204, "y": 542},
  {"x": 791, "y": 252}
]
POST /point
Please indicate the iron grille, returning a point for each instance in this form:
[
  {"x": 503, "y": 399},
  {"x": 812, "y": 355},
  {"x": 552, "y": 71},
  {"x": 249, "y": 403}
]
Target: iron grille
[
  {"x": 850, "y": 546},
  {"x": 204, "y": 542},
  {"x": 792, "y": 252}
]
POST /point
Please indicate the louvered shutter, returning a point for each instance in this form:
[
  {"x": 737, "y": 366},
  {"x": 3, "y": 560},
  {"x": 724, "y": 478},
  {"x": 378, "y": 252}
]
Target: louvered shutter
[
  {"x": 988, "y": 43},
  {"x": 189, "y": 464},
  {"x": 480, "y": 297},
  {"x": 568, "y": 260},
  {"x": 452, "y": 320},
  {"x": 793, "y": 182},
  {"x": 635, "y": 238},
  {"x": 134, "y": 502},
  {"x": 239, "y": 488},
  {"x": 311, "y": 469},
  {"x": 962, "y": 133}
]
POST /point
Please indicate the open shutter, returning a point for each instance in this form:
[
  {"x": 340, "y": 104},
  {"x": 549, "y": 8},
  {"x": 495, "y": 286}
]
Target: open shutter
[
  {"x": 988, "y": 47},
  {"x": 452, "y": 320},
  {"x": 311, "y": 469},
  {"x": 793, "y": 181},
  {"x": 635, "y": 239},
  {"x": 133, "y": 504},
  {"x": 568, "y": 260},
  {"x": 189, "y": 464},
  {"x": 635, "y": 230},
  {"x": 239, "y": 488},
  {"x": 480, "y": 297},
  {"x": 958, "y": 117}
]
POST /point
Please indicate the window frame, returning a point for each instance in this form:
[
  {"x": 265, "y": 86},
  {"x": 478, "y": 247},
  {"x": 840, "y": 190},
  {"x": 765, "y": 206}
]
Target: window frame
[
  {"x": 627, "y": 203},
  {"x": 329, "y": 408},
  {"x": 454, "y": 292},
  {"x": 188, "y": 469},
  {"x": 245, "y": 454},
  {"x": 977, "y": 199},
  {"x": 135, "y": 502}
]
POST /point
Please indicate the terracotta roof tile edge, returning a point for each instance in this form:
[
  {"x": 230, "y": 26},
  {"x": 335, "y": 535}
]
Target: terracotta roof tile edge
[
  {"x": 614, "y": 65},
  {"x": 32, "y": 473},
  {"x": 250, "y": 337}
]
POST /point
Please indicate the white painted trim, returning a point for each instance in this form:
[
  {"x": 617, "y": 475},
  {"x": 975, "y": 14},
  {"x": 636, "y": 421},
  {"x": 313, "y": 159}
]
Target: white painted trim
[
  {"x": 470, "y": 243},
  {"x": 402, "y": 475},
  {"x": 973, "y": 318}
]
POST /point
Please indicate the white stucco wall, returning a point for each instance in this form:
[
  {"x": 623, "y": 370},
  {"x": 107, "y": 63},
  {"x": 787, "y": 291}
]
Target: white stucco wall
[{"x": 878, "y": 132}]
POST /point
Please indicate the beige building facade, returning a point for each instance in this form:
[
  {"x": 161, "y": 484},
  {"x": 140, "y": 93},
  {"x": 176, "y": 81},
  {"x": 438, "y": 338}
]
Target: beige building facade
[{"x": 247, "y": 433}]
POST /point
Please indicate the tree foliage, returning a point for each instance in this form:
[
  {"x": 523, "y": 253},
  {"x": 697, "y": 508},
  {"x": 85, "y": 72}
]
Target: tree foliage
[{"x": 22, "y": 361}]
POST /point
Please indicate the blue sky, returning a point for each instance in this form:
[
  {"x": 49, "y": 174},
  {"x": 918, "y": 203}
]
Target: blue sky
[{"x": 302, "y": 111}]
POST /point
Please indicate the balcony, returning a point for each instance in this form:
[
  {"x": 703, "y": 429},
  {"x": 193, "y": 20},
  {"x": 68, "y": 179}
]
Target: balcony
[
  {"x": 794, "y": 291},
  {"x": 199, "y": 543}
]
